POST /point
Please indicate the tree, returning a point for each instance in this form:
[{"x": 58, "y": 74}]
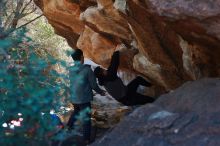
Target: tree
[
  {"x": 27, "y": 88},
  {"x": 11, "y": 12}
]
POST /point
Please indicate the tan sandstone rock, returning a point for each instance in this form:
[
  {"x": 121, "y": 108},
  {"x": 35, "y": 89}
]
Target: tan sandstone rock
[{"x": 176, "y": 40}]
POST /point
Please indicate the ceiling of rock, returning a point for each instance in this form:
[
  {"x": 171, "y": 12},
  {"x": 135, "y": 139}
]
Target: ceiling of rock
[{"x": 176, "y": 40}]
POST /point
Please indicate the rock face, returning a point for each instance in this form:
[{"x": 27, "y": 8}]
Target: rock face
[
  {"x": 176, "y": 40},
  {"x": 188, "y": 116},
  {"x": 107, "y": 112}
]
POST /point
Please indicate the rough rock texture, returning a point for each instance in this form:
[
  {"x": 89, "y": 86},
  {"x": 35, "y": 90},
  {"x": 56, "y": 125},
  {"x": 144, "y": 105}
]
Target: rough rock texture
[
  {"x": 188, "y": 116},
  {"x": 177, "y": 40},
  {"x": 106, "y": 112}
]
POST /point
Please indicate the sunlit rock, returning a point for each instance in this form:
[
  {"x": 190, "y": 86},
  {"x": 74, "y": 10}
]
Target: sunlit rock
[{"x": 179, "y": 39}]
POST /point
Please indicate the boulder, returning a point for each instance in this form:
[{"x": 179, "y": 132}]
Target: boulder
[
  {"x": 188, "y": 116},
  {"x": 175, "y": 41}
]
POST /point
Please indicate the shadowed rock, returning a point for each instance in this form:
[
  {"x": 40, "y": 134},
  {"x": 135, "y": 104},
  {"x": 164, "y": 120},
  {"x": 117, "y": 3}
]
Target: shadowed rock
[{"x": 188, "y": 116}]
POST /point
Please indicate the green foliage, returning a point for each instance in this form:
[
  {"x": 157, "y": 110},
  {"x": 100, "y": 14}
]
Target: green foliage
[
  {"x": 28, "y": 85},
  {"x": 46, "y": 41},
  {"x": 32, "y": 76}
]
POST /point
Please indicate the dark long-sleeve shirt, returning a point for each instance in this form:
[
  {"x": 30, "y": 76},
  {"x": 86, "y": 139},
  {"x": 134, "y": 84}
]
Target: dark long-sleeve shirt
[
  {"x": 112, "y": 83},
  {"x": 113, "y": 67},
  {"x": 82, "y": 82}
]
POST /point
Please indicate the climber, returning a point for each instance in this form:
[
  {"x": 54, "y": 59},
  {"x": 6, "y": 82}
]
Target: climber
[
  {"x": 82, "y": 81},
  {"x": 126, "y": 95}
]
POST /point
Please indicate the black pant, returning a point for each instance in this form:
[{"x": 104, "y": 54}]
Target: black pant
[
  {"x": 82, "y": 113},
  {"x": 134, "y": 98}
]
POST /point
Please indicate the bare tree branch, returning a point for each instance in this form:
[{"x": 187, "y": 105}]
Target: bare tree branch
[
  {"x": 19, "y": 6},
  {"x": 27, "y": 13},
  {"x": 17, "y": 14},
  {"x": 8, "y": 20},
  {"x": 2, "y": 36},
  {"x": 10, "y": 23},
  {"x": 29, "y": 22},
  {"x": 21, "y": 10},
  {"x": 25, "y": 6},
  {"x": 3, "y": 4}
]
